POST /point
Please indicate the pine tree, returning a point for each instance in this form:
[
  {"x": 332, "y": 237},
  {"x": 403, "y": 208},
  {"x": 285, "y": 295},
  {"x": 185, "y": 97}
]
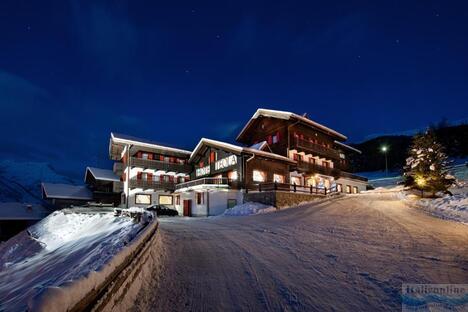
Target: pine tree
[{"x": 426, "y": 166}]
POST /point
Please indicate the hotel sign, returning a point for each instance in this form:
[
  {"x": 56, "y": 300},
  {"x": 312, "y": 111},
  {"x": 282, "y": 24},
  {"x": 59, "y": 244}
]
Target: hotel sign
[
  {"x": 226, "y": 162},
  {"x": 202, "y": 171}
]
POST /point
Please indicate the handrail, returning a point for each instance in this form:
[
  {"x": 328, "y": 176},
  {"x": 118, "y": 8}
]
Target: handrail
[
  {"x": 152, "y": 184},
  {"x": 275, "y": 186},
  {"x": 162, "y": 165},
  {"x": 202, "y": 181},
  {"x": 304, "y": 165},
  {"x": 317, "y": 148}
]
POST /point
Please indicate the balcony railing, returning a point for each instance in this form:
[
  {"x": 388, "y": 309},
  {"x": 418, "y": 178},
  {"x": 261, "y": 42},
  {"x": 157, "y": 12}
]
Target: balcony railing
[
  {"x": 316, "y": 148},
  {"x": 157, "y": 185},
  {"x": 160, "y": 165},
  {"x": 285, "y": 187},
  {"x": 205, "y": 181},
  {"x": 352, "y": 176},
  {"x": 314, "y": 168}
]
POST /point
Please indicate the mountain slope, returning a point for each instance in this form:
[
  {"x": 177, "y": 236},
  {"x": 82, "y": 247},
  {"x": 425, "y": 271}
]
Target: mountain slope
[{"x": 20, "y": 181}]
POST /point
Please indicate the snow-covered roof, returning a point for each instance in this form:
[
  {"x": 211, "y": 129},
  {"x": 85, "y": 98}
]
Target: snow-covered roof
[
  {"x": 20, "y": 211},
  {"x": 127, "y": 139},
  {"x": 102, "y": 174},
  {"x": 259, "y": 146},
  {"x": 287, "y": 116},
  {"x": 66, "y": 191},
  {"x": 348, "y": 147},
  {"x": 236, "y": 149}
]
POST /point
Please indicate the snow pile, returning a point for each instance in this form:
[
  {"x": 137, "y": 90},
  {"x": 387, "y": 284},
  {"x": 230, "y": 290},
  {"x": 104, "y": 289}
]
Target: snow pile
[
  {"x": 448, "y": 207},
  {"x": 248, "y": 209},
  {"x": 67, "y": 255}
]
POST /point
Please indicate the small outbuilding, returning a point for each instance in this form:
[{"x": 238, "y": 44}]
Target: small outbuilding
[{"x": 65, "y": 195}]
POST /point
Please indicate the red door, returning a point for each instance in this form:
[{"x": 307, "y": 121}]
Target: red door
[{"x": 187, "y": 208}]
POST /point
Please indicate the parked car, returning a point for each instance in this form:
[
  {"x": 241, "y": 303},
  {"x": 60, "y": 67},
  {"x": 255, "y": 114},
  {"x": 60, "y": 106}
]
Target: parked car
[{"x": 162, "y": 210}]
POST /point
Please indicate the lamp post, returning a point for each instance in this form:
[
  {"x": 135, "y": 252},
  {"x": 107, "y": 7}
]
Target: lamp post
[{"x": 384, "y": 150}]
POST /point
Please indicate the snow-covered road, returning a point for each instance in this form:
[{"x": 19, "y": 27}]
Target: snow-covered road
[{"x": 347, "y": 254}]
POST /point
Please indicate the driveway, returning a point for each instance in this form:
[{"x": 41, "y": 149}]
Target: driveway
[{"x": 347, "y": 254}]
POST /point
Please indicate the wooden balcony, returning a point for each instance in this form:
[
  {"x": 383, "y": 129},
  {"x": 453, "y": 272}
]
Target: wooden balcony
[
  {"x": 313, "y": 168},
  {"x": 160, "y": 165},
  {"x": 156, "y": 185},
  {"x": 316, "y": 149}
]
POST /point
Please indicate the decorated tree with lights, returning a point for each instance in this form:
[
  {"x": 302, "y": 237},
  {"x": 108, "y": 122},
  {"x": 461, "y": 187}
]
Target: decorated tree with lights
[{"x": 426, "y": 166}]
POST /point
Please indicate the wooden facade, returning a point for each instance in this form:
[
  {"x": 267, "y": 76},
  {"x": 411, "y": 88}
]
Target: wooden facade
[{"x": 284, "y": 136}]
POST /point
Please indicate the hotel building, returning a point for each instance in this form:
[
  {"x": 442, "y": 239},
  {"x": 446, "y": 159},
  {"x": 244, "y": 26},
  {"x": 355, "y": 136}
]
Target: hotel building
[{"x": 283, "y": 149}]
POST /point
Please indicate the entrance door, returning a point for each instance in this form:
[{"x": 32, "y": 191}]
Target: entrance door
[{"x": 187, "y": 208}]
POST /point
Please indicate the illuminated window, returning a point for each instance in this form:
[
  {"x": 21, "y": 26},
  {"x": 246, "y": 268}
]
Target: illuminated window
[
  {"x": 143, "y": 199},
  {"x": 259, "y": 176},
  {"x": 177, "y": 200},
  {"x": 232, "y": 175},
  {"x": 355, "y": 190},
  {"x": 296, "y": 180},
  {"x": 348, "y": 189},
  {"x": 339, "y": 187},
  {"x": 278, "y": 178},
  {"x": 165, "y": 199}
]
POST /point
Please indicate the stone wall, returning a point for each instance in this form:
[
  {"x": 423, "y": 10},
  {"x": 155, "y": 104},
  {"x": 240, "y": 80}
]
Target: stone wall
[
  {"x": 280, "y": 199},
  {"x": 286, "y": 199}
]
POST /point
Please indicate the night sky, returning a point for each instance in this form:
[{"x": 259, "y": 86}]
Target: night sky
[{"x": 171, "y": 71}]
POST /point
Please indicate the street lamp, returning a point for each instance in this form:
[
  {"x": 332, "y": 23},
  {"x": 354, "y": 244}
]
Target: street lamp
[{"x": 384, "y": 150}]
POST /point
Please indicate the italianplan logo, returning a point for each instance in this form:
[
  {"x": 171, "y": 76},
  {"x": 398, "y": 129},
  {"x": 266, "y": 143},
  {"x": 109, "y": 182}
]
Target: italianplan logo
[{"x": 434, "y": 297}]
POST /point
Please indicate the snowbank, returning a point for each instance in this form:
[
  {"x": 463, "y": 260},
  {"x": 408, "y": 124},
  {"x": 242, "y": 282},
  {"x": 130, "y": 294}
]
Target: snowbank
[
  {"x": 453, "y": 208},
  {"x": 448, "y": 207},
  {"x": 67, "y": 255},
  {"x": 249, "y": 208}
]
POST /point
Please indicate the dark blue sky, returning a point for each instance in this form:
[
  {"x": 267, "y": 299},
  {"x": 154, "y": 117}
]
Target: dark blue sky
[{"x": 173, "y": 71}]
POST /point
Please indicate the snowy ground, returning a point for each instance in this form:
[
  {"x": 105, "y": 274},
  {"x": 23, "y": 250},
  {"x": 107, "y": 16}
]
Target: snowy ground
[
  {"x": 347, "y": 254},
  {"x": 447, "y": 207},
  {"x": 64, "y": 247}
]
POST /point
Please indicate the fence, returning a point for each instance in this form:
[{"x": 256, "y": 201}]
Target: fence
[{"x": 275, "y": 186}]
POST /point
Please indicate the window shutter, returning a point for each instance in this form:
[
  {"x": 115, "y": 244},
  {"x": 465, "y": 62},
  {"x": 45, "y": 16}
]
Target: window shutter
[
  {"x": 139, "y": 175},
  {"x": 161, "y": 157},
  {"x": 150, "y": 156},
  {"x": 161, "y": 178},
  {"x": 139, "y": 155},
  {"x": 149, "y": 177},
  {"x": 270, "y": 140},
  {"x": 171, "y": 179},
  {"x": 278, "y": 136}
]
